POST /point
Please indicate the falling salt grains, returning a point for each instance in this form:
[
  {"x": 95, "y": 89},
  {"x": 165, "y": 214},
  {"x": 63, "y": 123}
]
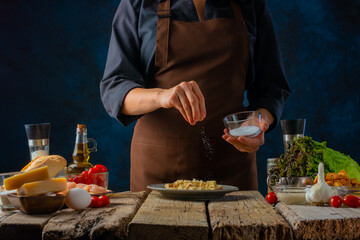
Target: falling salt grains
[{"x": 208, "y": 148}]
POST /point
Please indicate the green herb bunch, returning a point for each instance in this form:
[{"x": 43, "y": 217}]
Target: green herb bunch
[{"x": 304, "y": 155}]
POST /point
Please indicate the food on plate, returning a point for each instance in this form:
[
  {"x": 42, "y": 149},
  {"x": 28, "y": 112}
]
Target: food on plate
[
  {"x": 336, "y": 201},
  {"x": 340, "y": 179},
  {"x": 16, "y": 181},
  {"x": 42, "y": 187},
  {"x": 271, "y": 198},
  {"x": 92, "y": 188},
  {"x": 305, "y": 154},
  {"x": 77, "y": 198},
  {"x": 55, "y": 164},
  {"x": 321, "y": 192},
  {"x": 193, "y": 185}
]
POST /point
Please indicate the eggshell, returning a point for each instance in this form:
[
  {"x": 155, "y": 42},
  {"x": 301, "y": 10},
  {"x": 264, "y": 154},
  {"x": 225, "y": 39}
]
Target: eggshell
[{"x": 77, "y": 198}]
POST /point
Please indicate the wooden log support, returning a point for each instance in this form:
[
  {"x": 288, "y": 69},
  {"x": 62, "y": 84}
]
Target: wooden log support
[
  {"x": 316, "y": 222},
  {"x": 109, "y": 222},
  {"x": 21, "y": 226},
  {"x": 162, "y": 218},
  {"x": 246, "y": 215}
]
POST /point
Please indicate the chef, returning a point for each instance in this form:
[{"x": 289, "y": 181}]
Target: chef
[{"x": 179, "y": 67}]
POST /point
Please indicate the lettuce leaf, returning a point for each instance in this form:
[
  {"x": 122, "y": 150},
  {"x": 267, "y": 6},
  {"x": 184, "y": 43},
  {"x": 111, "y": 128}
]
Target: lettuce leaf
[{"x": 303, "y": 158}]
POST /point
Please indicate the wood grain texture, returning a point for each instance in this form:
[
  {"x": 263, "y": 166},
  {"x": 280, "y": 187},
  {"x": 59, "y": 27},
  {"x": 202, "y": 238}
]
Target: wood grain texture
[
  {"x": 4, "y": 215},
  {"x": 162, "y": 218},
  {"x": 316, "y": 222},
  {"x": 109, "y": 222},
  {"x": 21, "y": 226},
  {"x": 246, "y": 215}
]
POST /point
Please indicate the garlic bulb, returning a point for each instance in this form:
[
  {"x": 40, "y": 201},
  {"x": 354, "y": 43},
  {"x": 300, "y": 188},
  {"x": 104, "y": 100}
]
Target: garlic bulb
[{"x": 321, "y": 192}]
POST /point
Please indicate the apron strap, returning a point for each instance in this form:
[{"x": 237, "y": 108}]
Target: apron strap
[
  {"x": 162, "y": 34},
  {"x": 237, "y": 12}
]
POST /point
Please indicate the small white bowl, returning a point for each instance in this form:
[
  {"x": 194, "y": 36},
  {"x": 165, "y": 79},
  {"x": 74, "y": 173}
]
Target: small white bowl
[
  {"x": 243, "y": 124},
  {"x": 5, "y": 204}
]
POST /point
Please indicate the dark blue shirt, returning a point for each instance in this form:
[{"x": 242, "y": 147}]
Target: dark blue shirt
[{"x": 130, "y": 62}]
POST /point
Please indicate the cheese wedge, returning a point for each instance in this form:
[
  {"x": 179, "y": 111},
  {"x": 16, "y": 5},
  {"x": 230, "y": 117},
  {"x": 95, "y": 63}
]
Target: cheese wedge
[
  {"x": 22, "y": 178},
  {"x": 41, "y": 187}
]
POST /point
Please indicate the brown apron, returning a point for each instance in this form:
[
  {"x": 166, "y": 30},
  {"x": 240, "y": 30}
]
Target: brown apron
[{"x": 215, "y": 54}]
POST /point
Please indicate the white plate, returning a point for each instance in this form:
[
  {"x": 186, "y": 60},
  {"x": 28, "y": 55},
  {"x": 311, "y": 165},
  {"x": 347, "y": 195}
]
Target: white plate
[{"x": 192, "y": 194}]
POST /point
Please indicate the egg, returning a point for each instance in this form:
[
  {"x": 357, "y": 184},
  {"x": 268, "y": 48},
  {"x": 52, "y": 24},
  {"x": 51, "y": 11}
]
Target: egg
[{"x": 77, "y": 198}]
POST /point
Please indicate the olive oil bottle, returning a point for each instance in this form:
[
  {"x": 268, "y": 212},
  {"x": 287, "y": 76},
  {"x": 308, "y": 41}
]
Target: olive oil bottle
[{"x": 81, "y": 152}]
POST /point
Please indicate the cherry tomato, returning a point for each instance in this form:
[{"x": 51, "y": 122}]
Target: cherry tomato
[
  {"x": 106, "y": 200},
  {"x": 85, "y": 172},
  {"x": 96, "y": 202},
  {"x": 100, "y": 181},
  {"x": 92, "y": 171},
  {"x": 100, "y": 168},
  {"x": 86, "y": 179},
  {"x": 93, "y": 179},
  {"x": 78, "y": 179},
  {"x": 272, "y": 198},
  {"x": 352, "y": 201},
  {"x": 336, "y": 201},
  {"x": 71, "y": 179}
]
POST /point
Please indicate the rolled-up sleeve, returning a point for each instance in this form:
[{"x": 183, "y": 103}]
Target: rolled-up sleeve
[
  {"x": 270, "y": 88},
  {"x": 123, "y": 70}
]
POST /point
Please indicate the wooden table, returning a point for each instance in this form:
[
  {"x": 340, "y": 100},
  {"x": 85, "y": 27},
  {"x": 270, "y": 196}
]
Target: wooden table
[
  {"x": 99, "y": 223},
  {"x": 239, "y": 215},
  {"x": 313, "y": 222}
]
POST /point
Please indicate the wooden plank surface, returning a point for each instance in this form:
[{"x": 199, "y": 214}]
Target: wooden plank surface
[
  {"x": 246, "y": 215},
  {"x": 319, "y": 222},
  {"x": 110, "y": 222},
  {"x": 22, "y": 226},
  {"x": 5, "y": 214},
  {"x": 162, "y": 218}
]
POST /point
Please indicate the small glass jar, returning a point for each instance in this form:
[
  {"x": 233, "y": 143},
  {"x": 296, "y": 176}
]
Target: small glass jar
[{"x": 270, "y": 164}]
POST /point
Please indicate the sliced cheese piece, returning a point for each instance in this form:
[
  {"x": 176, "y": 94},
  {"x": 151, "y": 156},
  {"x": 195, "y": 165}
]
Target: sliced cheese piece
[
  {"x": 41, "y": 187},
  {"x": 22, "y": 178}
]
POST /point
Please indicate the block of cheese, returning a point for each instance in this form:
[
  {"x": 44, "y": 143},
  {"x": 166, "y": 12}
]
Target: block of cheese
[
  {"x": 41, "y": 187},
  {"x": 34, "y": 175}
]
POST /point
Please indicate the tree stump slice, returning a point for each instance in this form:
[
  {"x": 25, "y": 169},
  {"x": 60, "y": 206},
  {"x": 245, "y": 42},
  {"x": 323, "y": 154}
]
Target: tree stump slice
[
  {"x": 109, "y": 222},
  {"x": 162, "y": 218},
  {"x": 246, "y": 215},
  {"x": 319, "y": 222}
]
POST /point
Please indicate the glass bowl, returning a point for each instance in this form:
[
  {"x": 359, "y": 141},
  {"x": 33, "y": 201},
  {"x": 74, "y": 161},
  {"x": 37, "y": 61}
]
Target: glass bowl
[
  {"x": 290, "y": 190},
  {"x": 345, "y": 190},
  {"x": 291, "y": 195},
  {"x": 5, "y": 204},
  {"x": 243, "y": 124},
  {"x": 44, "y": 204},
  {"x": 100, "y": 179}
]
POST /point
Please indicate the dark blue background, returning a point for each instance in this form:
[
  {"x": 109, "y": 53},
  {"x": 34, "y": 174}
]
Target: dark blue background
[{"x": 53, "y": 53}]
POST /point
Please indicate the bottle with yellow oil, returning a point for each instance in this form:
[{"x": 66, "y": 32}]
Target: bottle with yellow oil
[{"x": 81, "y": 152}]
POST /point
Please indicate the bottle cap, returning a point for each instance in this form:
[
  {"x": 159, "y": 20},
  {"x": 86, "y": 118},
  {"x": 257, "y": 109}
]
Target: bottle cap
[
  {"x": 37, "y": 131},
  {"x": 81, "y": 128}
]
